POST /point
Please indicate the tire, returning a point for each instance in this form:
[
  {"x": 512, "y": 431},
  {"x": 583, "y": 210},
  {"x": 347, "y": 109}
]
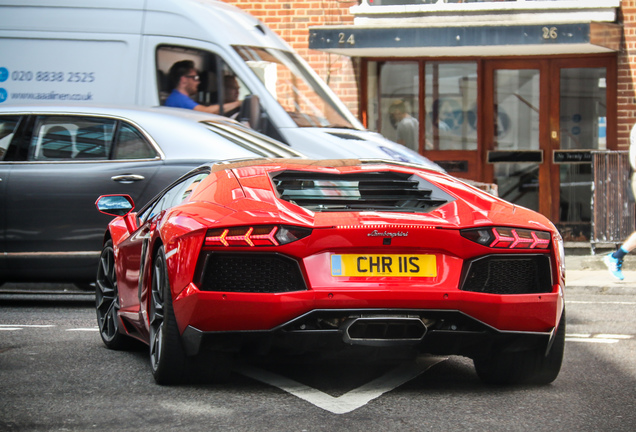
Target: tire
[
  {"x": 107, "y": 302},
  {"x": 167, "y": 356},
  {"x": 524, "y": 367}
]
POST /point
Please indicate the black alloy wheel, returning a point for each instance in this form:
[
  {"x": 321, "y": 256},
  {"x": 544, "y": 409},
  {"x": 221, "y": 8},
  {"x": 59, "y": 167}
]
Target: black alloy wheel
[
  {"x": 107, "y": 301},
  {"x": 167, "y": 357}
]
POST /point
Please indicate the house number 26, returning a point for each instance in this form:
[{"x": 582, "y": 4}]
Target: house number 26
[
  {"x": 550, "y": 32},
  {"x": 342, "y": 38}
]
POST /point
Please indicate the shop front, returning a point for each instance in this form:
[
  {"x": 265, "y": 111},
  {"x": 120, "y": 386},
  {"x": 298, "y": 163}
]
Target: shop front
[{"x": 522, "y": 106}]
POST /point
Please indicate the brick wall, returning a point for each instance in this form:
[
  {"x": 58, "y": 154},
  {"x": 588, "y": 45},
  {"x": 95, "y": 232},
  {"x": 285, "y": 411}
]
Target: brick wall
[
  {"x": 291, "y": 20},
  {"x": 626, "y": 97}
]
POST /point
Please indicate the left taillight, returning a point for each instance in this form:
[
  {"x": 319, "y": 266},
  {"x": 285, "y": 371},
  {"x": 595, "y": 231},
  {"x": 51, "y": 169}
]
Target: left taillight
[
  {"x": 508, "y": 238},
  {"x": 258, "y": 235}
]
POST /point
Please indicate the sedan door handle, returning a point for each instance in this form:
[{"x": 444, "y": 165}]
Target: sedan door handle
[{"x": 127, "y": 178}]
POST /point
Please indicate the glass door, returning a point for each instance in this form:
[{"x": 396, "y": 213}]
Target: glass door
[
  {"x": 547, "y": 117},
  {"x": 582, "y": 127},
  {"x": 515, "y": 105}
]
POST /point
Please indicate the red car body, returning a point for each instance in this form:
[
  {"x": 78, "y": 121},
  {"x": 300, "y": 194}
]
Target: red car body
[{"x": 315, "y": 255}]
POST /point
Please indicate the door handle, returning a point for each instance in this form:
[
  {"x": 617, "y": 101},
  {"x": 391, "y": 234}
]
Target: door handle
[{"x": 127, "y": 178}]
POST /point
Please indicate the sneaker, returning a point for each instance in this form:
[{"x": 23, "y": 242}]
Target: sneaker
[{"x": 614, "y": 266}]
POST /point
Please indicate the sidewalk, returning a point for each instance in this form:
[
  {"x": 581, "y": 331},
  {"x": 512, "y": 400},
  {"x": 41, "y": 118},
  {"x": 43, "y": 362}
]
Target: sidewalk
[{"x": 588, "y": 273}]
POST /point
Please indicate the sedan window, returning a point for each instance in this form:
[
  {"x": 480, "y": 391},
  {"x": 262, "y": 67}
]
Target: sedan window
[
  {"x": 8, "y": 125},
  {"x": 132, "y": 145},
  {"x": 71, "y": 138}
]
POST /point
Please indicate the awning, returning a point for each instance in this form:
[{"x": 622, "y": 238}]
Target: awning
[{"x": 486, "y": 40}]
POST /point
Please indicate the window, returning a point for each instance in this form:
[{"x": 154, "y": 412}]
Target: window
[
  {"x": 132, "y": 145},
  {"x": 582, "y": 120},
  {"x": 217, "y": 82},
  {"x": 307, "y": 102},
  {"x": 71, "y": 138},
  {"x": 451, "y": 106},
  {"x": 399, "y": 103},
  {"x": 8, "y": 126}
]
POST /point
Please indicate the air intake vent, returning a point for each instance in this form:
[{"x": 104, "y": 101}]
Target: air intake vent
[
  {"x": 251, "y": 273},
  {"x": 371, "y": 191},
  {"x": 524, "y": 274}
]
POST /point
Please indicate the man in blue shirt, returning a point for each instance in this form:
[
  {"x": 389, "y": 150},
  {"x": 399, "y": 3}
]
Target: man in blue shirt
[{"x": 185, "y": 79}]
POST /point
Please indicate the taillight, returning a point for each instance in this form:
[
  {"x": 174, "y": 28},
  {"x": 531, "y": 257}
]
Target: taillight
[
  {"x": 259, "y": 235},
  {"x": 508, "y": 238}
]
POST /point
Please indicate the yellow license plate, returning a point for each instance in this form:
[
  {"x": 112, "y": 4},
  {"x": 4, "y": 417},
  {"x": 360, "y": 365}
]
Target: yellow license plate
[{"x": 384, "y": 265}]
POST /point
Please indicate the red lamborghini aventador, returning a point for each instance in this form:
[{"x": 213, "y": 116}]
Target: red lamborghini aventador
[{"x": 301, "y": 255}]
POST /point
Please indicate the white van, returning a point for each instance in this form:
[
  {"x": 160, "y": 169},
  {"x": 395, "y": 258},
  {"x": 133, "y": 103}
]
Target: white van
[{"x": 120, "y": 51}]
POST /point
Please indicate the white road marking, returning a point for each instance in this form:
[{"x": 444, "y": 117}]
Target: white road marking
[
  {"x": 349, "y": 401},
  {"x": 10, "y": 328},
  {"x": 27, "y": 325},
  {"x": 600, "y": 303},
  {"x": 597, "y": 338},
  {"x": 614, "y": 336}
]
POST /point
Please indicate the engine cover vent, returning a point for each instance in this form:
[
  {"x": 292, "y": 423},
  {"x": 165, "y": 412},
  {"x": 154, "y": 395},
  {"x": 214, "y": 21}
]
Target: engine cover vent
[{"x": 369, "y": 191}]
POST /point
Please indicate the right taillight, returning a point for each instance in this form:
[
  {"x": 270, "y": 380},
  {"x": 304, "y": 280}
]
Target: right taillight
[{"x": 508, "y": 238}]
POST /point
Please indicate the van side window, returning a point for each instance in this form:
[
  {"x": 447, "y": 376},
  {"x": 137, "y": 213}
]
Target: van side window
[
  {"x": 8, "y": 126},
  {"x": 217, "y": 82},
  {"x": 131, "y": 144},
  {"x": 71, "y": 138}
]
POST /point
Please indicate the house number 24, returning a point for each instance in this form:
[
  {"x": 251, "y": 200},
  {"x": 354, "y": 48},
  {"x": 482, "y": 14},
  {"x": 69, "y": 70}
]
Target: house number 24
[{"x": 342, "y": 38}]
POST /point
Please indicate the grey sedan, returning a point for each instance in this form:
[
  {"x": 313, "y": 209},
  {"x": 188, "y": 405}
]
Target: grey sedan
[{"x": 56, "y": 160}]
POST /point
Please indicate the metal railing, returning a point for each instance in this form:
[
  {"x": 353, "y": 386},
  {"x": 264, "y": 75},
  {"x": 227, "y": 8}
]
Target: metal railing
[{"x": 613, "y": 213}]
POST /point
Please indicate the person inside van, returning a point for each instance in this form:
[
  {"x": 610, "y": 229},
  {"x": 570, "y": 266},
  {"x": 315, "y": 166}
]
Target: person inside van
[
  {"x": 185, "y": 79},
  {"x": 231, "y": 94}
]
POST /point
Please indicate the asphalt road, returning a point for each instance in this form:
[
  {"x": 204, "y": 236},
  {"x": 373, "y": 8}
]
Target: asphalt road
[{"x": 56, "y": 375}]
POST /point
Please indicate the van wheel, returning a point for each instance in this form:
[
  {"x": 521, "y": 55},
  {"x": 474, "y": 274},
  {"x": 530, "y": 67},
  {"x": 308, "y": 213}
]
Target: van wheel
[
  {"x": 524, "y": 367},
  {"x": 107, "y": 302},
  {"x": 167, "y": 357}
]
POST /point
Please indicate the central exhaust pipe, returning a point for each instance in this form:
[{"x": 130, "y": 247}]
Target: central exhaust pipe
[{"x": 383, "y": 331}]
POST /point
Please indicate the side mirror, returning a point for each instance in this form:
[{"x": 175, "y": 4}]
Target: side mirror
[
  {"x": 250, "y": 112},
  {"x": 115, "y": 205}
]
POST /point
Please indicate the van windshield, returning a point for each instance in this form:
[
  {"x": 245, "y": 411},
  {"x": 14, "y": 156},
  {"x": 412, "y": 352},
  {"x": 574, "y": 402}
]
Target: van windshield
[{"x": 294, "y": 88}]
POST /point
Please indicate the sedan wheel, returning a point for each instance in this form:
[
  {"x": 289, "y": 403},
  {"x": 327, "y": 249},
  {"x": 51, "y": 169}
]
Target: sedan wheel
[
  {"x": 167, "y": 357},
  {"x": 107, "y": 301}
]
